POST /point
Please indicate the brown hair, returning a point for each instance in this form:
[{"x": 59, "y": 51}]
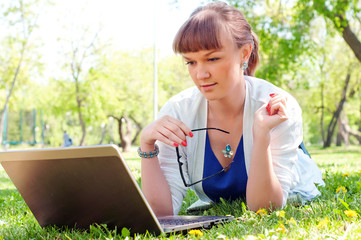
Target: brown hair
[{"x": 203, "y": 28}]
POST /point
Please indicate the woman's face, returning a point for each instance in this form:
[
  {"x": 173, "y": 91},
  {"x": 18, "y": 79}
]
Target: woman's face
[{"x": 217, "y": 72}]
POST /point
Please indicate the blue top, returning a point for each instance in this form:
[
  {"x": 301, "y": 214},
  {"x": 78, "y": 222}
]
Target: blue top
[{"x": 230, "y": 184}]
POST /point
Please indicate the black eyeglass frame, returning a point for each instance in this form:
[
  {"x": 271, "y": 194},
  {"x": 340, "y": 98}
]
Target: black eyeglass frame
[{"x": 180, "y": 163}]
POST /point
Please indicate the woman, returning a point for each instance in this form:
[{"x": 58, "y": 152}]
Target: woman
[{"x": 255, "y": 155}]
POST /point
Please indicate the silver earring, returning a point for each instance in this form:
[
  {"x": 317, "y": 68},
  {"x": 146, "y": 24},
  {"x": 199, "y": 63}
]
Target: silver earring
[{"x": 244, "y": 65}]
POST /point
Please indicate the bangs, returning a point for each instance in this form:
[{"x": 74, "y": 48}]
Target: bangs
[{"x": 200, "y": 32}]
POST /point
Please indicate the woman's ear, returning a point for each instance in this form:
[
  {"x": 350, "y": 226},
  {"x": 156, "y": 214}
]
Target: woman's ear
[{"x": 246, "y": 51}]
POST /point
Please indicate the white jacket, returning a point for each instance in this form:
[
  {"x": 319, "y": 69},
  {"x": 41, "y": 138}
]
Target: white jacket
[{"x": 289, "y": 162}]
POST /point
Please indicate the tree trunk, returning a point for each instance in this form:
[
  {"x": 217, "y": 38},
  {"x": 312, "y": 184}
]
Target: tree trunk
[
  {"x": 104, "y": 132},
  {"x": 125, "y": 135},
  {"x": 356, "y": 134},
  {"x": 322, "y": 112},
  {"x": 80, "y": 115},
  {"x": 139, "y": 128},
  {"x": 343, "y": 134},
  {"x": 352, "y": 40},
  {"x": 336, "y": 114}
]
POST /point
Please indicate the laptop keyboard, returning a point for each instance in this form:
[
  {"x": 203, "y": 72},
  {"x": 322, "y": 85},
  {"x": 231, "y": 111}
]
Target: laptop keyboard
[{"x": 185, "y": 220}]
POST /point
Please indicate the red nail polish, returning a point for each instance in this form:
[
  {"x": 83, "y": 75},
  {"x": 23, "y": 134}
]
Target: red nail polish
[
  {"x": 190, "y": 134},
  {"x": 272, "y": 94},
  {"x": 176, "y": 144},
  {"x": 267, "y": 106},
  {"x": 184, "y": 143}
]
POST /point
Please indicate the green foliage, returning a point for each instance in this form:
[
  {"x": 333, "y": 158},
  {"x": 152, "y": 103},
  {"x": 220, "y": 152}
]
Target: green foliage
[
  {"x": 302, "y": 51},
  {"x": 300, "y": 46},
  {"x": 173, "y": 77}
]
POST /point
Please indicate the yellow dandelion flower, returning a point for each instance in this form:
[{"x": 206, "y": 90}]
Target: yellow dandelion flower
[
  {"x": 359, "y": 171},
  {"x": 261, "y": 212},
  {"x": 350, "y": 213},
  {"x": 291, "y": 221},
  {"x": 195, "y": 232},
  {"x": 281, "y": 228},
  {"x": 345, "y": 174},
  {"x": 322, "y": 223},
  {"x": 251, "y": 237},
  {"x": 341, "y": 188},
  {"x": 281, "y": 214}
]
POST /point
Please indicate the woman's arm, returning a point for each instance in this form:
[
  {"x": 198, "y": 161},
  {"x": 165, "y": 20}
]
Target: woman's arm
[
  {"x": 154, "y": 184},
  {"x": 263, "y": 188}
]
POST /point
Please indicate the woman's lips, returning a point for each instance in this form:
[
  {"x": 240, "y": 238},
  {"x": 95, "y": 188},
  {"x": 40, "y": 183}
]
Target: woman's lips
[{"x": 208, "y": 87}]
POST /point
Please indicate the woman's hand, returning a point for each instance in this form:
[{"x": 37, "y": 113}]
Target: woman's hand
[
  {"x": 271, "y": 115},
  {"x": 167, "y": 129}
]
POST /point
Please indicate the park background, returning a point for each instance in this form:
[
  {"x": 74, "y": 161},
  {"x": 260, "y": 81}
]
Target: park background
[{"x": 88, "y": 67}]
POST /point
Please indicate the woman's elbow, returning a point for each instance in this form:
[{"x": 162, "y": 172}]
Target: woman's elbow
[{"x": 270, "y": 204}]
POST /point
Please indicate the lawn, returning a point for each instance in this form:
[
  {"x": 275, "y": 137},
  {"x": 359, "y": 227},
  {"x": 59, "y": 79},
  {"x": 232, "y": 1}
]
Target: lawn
[{"x": 334, "y": 215}]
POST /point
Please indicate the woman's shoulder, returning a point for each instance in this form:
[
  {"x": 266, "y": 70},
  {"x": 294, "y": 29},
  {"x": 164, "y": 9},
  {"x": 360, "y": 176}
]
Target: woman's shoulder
[
  {"x": 259, "y": 90},
  {"x": 260, "y": 87}
]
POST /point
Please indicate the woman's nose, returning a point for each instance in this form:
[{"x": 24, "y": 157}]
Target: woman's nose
[{"x": 203, "y": 73}]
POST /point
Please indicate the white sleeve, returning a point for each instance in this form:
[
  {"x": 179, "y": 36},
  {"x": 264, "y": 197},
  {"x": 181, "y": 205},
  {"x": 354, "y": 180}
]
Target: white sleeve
[{"x": 285, "y": 139}]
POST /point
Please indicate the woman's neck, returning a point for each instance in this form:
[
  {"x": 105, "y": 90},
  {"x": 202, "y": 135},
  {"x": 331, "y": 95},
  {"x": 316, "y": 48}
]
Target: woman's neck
[{"x": 231, "y": 106}]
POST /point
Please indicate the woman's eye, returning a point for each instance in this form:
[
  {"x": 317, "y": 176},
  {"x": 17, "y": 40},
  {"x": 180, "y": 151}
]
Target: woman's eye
[
  {"x": 213, "y": 59},
  {"x": 189, "y": 63}
]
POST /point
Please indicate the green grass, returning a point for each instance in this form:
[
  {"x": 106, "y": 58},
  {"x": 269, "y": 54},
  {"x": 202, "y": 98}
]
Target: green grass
[{"x": 323, "y": 218}]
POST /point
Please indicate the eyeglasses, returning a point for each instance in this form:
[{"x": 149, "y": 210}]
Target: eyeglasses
[{"x": 180, "y": 163}]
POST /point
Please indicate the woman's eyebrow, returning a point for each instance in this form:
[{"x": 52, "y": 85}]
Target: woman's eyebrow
[
  {"x": 185, "y": 58},
  {"x": 213, "y": 51},
  {"x": 205, "y": 55}
]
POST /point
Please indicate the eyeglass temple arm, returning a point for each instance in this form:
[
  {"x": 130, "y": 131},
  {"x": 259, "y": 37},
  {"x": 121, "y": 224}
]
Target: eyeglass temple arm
[
  {"x": 180, "y": 166},
  {"x": 224, "y": 169},
  {"x": 200, "y": 129},
  {"x": 180, "y": 163}
]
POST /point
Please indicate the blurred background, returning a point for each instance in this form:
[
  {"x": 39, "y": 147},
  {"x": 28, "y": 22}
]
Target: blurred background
[{"x": 94, "y": 71}]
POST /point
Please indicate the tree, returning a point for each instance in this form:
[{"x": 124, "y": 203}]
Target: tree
[
  {"x": 82, "y": 46},
  {"x": 79, "y": 55},
  {"x": 126, "y": 91},
  {"x": 288, "y": 46},
  {"x": 336, "y": 12},
  {"x": 20, "y": 22},
  {"x": 127, "y": 88}
]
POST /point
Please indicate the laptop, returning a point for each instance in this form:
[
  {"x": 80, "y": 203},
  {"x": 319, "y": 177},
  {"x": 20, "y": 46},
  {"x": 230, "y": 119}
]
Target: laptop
[{"x": 78, "y": 186}]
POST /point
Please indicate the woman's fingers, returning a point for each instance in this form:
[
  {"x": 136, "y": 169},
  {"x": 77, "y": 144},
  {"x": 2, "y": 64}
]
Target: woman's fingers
[
  {"x": 276, "y": 101},
  {"x": 172, "y": 133},
  {"x": 179, "y": 127},
  {"x": 279, "y": 109},
  {"x": 163, "y": 138},
  {"x": 169, "y": 130}
]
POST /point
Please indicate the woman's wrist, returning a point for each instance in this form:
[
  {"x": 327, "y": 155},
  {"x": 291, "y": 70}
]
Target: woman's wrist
[
  {"x": 147, "y": 147},
  {"x": 146, "y": 144},
  {"x": 261, "y": 135},
  {"x": 148, "y": 153}
]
